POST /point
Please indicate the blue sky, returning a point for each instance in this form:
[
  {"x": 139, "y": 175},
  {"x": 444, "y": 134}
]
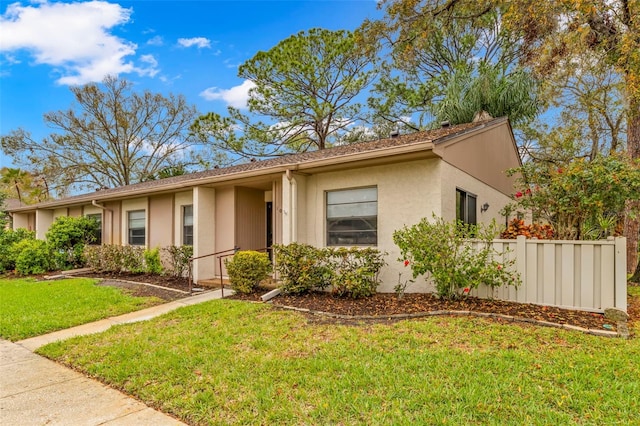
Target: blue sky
[{"x": 191, "y": 48}]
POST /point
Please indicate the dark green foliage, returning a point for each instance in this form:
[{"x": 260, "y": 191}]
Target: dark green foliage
[
  {"x": 8, "y": 238},
  {"x": 302, "y": 267},
  {"x": 152, "y": 263},
  {"x": 351, "y": 272},
  {"x": 178, "y": 259},
  {"x": 67, "y": 237},
  {"x": 246, "y": 269},
  {"x": 32, "y": 257},
  {"x": 355, "y": 271}
]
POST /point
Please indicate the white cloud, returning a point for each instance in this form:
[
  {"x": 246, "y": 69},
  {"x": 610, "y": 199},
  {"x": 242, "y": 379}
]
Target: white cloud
[
  {"x": 155, "y": 41},
  {"x": 236, "y": 97},
  {"x": 73, "y": 37},
  {"x": 199, "y": 42}
]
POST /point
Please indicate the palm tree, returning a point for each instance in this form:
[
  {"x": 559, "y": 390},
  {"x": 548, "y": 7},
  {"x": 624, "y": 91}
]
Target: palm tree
[{"x": 14, "y": 178}]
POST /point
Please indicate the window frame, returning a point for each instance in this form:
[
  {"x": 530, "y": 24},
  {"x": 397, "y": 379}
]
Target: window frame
[
  {"x": 364, "y": 236},
  {"x": 186, "y": 235},
  {"x": 130, "y": 235},
  {"x": 464, "y": 206}
]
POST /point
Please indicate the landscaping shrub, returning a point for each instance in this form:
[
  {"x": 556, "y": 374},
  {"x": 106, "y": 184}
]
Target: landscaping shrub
[
  {"x": 444, "y": 250},
  {"x": 32, "y": 257},
  {"x": 8, "y": 238},
  {"x": 355, "y": 271},
  {"x": 246, "y": 269},
  {"x": 114, "y": 258},
  {"x": 302, "y": 267},
  {"x": 67, "y": 238},
  {"x": 152, "y": 263},
  {"x": 178, "y": 259}
]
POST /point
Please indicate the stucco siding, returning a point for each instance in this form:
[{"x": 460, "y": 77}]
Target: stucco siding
[
  {"x": 44, "y": 219},
  {"x": 112, "y": 223},
  {"x": 406, "y": 193},
  {"x": 160, "y": 221},
  {"x": 204, "y": 206},
  {"x": 62, "y": 212},
  {"x": 453, "y": 178},
  {"x": 21, "y": 220}
]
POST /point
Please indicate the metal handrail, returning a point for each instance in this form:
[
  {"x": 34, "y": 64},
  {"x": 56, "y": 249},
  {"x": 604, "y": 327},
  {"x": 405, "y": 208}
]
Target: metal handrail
[{"x": 191, "y": 259}]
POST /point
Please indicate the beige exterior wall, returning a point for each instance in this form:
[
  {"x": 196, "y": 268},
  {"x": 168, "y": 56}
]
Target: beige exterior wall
[
  {"x": 44, "y": 219},
  {"x": 160, "y": 221},
  {"x": 112, "y": 223},
  {"x": 224, "y": 232},
  {"x": 251, "y": 214},
  {"x": 204, "y": 204},
  {"x": 60, "y": 213},
  {"x": 406, "y": 193},
  {"x": 485, "y": 155},
  {"x": 132, "y": 205},
  {"x": 181, "y": 199},
  {"x": 75, "y": 211},
  {"x": 453, "y": 178},
  {"x": 21, "y": 220}
]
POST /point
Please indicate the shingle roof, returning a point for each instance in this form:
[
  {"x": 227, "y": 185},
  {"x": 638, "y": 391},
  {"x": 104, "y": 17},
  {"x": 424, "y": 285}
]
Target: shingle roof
[{"x": 433, "y": 136}]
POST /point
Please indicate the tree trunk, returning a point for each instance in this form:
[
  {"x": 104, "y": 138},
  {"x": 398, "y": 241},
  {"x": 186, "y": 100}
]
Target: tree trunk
[
  {"x": 636, "y": 276},
  {"x": 632, "y": 225}
]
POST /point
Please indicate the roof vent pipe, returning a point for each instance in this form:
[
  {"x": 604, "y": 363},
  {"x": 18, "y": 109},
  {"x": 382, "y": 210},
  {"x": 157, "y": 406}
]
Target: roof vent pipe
[{"x": 445, "y": 124}]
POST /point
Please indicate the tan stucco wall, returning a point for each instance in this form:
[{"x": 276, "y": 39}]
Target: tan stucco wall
[
  {"x": 224, "y": 232},
  {"x": 21, "y": 220},
  {"x": 160, "y": 221},
  {"x": 75, "y": 211},
  {"x": 44, "y": 219},
  {"x": 204, "y": 204},
  {"x": 453, "y": 178},
  {"x": 181, "y": 199},
  {"x": 60, "y": 213},
  {"x": 485, "y": 155},
  {"x": 112, "y": 223},
  {"x": 132, "y": 205},
  {"x": 406, "y": 193},
  {"x": 251, "y": 226}
]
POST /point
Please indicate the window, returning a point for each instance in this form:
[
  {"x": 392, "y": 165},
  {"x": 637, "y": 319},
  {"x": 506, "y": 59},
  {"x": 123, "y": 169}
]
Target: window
[
  {"x": 98, "y": 234},
  {"x": 187, "y": 225},
  {"x": 137, "y": 228},
  {"x": 465, "y": 207},
  {"x": 352, "y": 217}
]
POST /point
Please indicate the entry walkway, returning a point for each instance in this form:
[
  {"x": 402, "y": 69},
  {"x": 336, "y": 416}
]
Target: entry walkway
[{"x": 37, "y": 391}]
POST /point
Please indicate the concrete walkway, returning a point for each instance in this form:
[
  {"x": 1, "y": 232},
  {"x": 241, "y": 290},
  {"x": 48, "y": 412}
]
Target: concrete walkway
[{"x": 37, "y": 391}]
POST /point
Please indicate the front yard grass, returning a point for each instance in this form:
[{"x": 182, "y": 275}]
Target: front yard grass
[
  {"x": 232, "y": 362},
  {"x": 31, "y": 308}
]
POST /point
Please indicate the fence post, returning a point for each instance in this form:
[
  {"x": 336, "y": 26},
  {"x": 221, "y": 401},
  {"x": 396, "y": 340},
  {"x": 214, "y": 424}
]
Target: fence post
[
  {"x": 521, "y": 266},
  {"x": 620, "y": 274}
]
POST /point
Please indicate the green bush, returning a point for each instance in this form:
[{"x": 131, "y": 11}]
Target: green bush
[
  {"x": 302, "y": 267},
  {"x": 114, "y": 258},
  {"x": 152, "y": 262},
  {"x": 32, "y": 257},
  {"x": 355, "y": 271},
  {"x": 445, "y": 251},
  {"x": 246, "y": 269},
  {"x": 178, "y": 259},
  {"x": 68, "y": 236},
  {"x": 8, "y": 238}
]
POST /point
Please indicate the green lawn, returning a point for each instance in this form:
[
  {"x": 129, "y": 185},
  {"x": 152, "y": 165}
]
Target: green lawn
[
  {"x": 31, "y": 308},
  {"x": 232, "y": 362}
]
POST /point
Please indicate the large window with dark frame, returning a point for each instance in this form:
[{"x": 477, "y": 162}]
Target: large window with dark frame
[
  {"x": 352, "y": 217},
  {"x": 187, "y": 225},
  {"x": 137, "y": 227},
  {"x": 97, "y": 236},
  {"x": 466, "y": 207}
]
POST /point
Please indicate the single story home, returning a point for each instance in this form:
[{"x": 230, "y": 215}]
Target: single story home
[{"x": 350, "y": 195}]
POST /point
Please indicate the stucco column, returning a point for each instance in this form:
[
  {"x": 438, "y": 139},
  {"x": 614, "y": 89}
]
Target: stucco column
[
  {"x": 44, "y": 219},
  {"x": 204, "y": 231},
  {"x": 288, "y": 208}
]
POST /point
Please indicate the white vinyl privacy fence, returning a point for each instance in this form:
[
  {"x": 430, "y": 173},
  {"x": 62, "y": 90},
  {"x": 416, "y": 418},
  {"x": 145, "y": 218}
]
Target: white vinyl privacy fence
[{"x": 583, "y": 275}]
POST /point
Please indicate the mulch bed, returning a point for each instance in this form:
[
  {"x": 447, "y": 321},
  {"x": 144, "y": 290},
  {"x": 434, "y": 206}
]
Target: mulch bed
[
  {"x": 385, "y": 305},
  {"x": 382, "y": 305}
]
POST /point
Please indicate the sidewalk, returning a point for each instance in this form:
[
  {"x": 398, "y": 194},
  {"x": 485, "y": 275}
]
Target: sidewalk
[{"x": 37, "y": 391}]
